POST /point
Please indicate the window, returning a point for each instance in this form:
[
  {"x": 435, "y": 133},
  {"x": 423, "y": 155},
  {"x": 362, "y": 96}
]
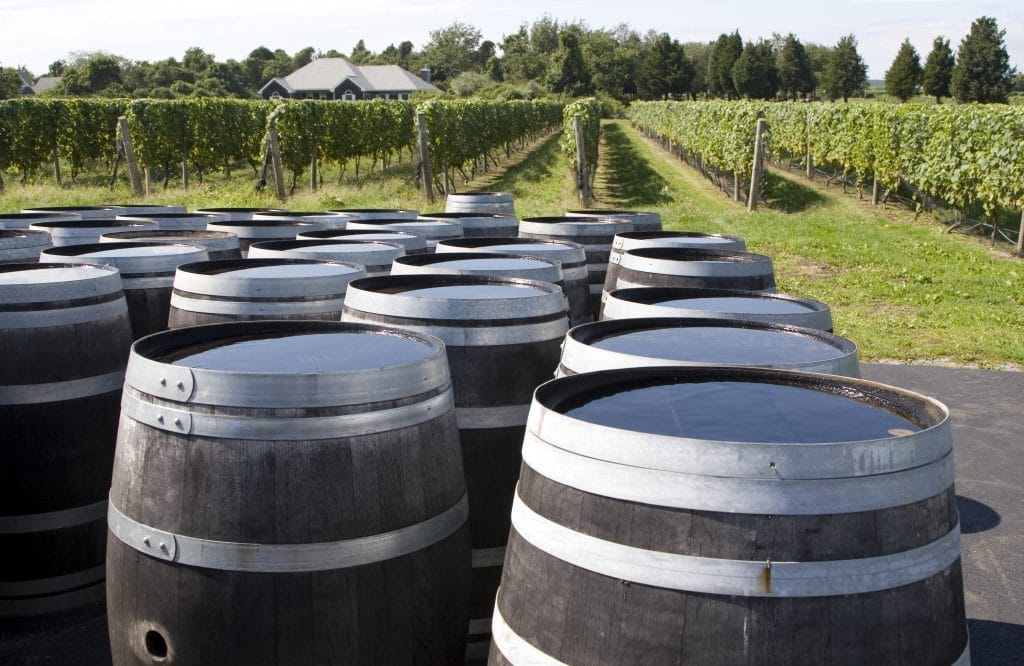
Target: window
[{"x": 348, "y": 96}]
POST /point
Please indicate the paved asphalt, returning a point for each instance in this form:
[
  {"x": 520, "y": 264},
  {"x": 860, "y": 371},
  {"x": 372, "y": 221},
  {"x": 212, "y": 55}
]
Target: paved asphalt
[{"x": 987, "y": 411}]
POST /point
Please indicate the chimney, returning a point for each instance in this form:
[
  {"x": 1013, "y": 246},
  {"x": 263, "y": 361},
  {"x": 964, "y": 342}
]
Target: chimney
[{"x": 425, "y": 74}]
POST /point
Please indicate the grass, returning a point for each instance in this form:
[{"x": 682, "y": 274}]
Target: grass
[{"x": 901, "y": 289}]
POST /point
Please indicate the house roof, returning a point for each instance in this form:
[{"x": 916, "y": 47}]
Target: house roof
[
  {"x": 328, "y": 73},
  {"x": 44, "y": 83}
]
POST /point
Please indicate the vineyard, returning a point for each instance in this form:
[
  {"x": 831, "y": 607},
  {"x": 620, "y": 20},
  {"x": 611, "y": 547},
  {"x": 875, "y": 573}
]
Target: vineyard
[{"x": 971, "y": 157}]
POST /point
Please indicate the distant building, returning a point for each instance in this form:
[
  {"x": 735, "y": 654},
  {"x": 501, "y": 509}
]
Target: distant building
[
  {"x": 30, "y": 86},
  {"x": 337, "y": 78}
]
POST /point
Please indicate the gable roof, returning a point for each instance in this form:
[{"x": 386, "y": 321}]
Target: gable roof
[
  {"x": 328, "y": 73},
  {"x": 44, "y": 83}
]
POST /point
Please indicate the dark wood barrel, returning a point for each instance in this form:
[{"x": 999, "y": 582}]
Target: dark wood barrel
[
  {"x": 19, "y": 246},
  {"x": 229, "y": 290},
  {"x": 494, "y": 203},
  {"x": 354, "y": 214},
  {"x": 594, "y": 234},
  {"x": 571, "y": 256},
  {"x": 255, "y": 231},
  {"x": 176, "y": 221},
  {"x": 218, "y": 244},
  {"x": 732, "y": 516},
  {"x": 83, "y": 212},
  {"x": 717, "y": 303},
  {"x": 494, "y": 264},
  {"x": 649, "y": 341},
  {"x": 152, "y": 209},
  {"x": 638, "y": 239},
  {"x": 147, "y": 273},
  {"x": 479, "y": 225},
  {"x": 323, "y": 219},
  {"x": 24, "y": 220},
  {"x": 432, "y": 231},
  {"x": 87, "y": 231},
  {"x": 287, "y": 492},
  {"x": 236, "y": 214},
  {"x": 375, "y": 257},
  {"x": 502, "y": 337},
  {"x": 412, "y": 243},
  {"x": 642, "y": 220},
  {"x": 65, "y": 335}
]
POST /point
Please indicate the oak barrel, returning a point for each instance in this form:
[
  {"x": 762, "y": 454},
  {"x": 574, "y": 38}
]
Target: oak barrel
[
  {"x": 723, "y": 515},
  {"x": 432, "y": 231},
  {"x": 23, "y": 220},
  {"x": 637, "y": 239},
  {"x": 22, "y": 245},
  {"x": 176, "y": 221},
  {"x": 478, "y": 225},
  {"x": 234, "y": 213},
  {"x": 287, "y": 492},
  {"x": 354, "y": 214},
  {"x": 375, "y": 257},
  {"x": 254, "y": 231},
  {"x": 494, "y": 264},
  {"x": 83, "y": 212},
  {"x": 412, "y": 243},
  {"x": 87, "y": 231},
  {"x": 218, "y": 244},
  {"x": 494, "y": 203},
  {"x": 644, "y": 221}
]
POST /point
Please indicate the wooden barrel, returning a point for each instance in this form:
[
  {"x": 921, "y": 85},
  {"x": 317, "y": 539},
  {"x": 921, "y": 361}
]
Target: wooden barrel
[
  {"x": 354, "y": 214},
  {"x": 375, "y": 257},
  {"x": 83, "y": 212},
  {"x": 732, "y": 516},
  {"x": 570, "y": 256},
  {"x": 147, "y": 273},
  {"x": 718, "y": 303},
  {"x": 24, "y": 220},
  {"x": 633, "y": 343},
  {"x": 65, "y": 335},
  {"x": 177, "y": 221},
  {"x": 218, "y": 244},
  {"x": 594, "y": 234},
  {"x": 432, "y": 231},
  {"x": 323, "y": 219},
  {"x": 236, "y": 214},
  {"x": 87, "y": 230},
  {"x": 502, "y": 337},
  {"x": 412, "y": 243},
  {"x": 152, "y": 209},
  {"x": 255, "y": 231},
  {"x": 643, "y": 221},
  {"x": 19, "y": 246},
  {"x": 494, "y": 264},
  {"x": 210, "y": 292},
  {"x": 287, "y": 492},
  {"x": 494, "y": 203},
  {"x": 479, "y": 225}
]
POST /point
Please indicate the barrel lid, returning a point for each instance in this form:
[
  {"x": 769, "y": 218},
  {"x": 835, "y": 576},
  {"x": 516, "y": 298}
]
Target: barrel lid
[
  {"x": 84, "y": 212},
  {"x": 129, "y": 257},
  {"x": 372, "y": 253},
  {"x": 23, "y": 220},
  {"x": 574, "y": 226},
  {"x": 40, "y": 283},
  {"x": 289, "y": 271},
  {"x": 695, "y": 261},
  {"x": 426, "y": 228},
  {"x": 411, "y": 242},
  {"x": 636, "y": 239},
  {"x": 23, "y": 238},
  {"x": 267, "y": 278},
  {"x": 111, "y": 223}
]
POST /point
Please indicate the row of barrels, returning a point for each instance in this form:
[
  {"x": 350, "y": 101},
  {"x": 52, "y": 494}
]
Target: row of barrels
[{"x": 193, "y": 407}]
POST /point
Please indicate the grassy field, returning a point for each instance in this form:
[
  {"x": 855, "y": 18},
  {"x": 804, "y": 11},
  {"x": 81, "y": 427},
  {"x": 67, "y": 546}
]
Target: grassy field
[{"x": 903, "y": 290}]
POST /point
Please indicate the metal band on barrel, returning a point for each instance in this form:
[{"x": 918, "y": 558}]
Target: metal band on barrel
[
  {"x": 53, "y": 520},
  {"x": 478, "y": 418},
  {"x": 516, "y": 649},
  {"x": 708, "y": 575},
  {"x": 325, "y": 303},
  {"x": 63, "y": 316},
  {"x": 69, "y": 389},
  {"x": 481, "y": 336},
  {"x": 286, "y": 558}
]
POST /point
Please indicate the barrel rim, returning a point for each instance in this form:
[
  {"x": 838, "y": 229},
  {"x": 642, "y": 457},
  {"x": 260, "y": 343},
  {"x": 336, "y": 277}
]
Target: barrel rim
[{"x": 106, "y": 281}]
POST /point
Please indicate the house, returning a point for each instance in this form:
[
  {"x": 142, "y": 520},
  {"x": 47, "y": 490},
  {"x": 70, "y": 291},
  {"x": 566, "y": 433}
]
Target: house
[
  {"x": 337, "y": 78},
  {"x": 30, "y": 86}
]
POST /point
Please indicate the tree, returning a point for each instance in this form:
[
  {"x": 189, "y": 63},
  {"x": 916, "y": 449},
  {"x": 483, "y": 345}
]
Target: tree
[
  {"x": 796, "y": 76},
  {"x": 723, "y": 55},
  {"x": 544, "y": 35},
  {"x": 664, "y": 70},
  {"x": 845, "y": 73},
  {"x": 360, "y": 54},
  {"x": 938, "y": 70},
  {"x": 92, "y": 73},
  {"x": 570, "y": 73},
  {"x": 303, "y": 57},
  {"x": 754, "y": 73},
  {"x": 521, "y": 61},
  {"x": 903, "y": 77},
  {"x": 451, "y": 50},
  {"x": 982, "y": 72},
  {"x": 10, "y": 83},
  {"x": 613, "y": 57},
  {"x": 56, "y": 68},
  {"x": 197, "y": 60},
  {"x": 697, "y": 54}
]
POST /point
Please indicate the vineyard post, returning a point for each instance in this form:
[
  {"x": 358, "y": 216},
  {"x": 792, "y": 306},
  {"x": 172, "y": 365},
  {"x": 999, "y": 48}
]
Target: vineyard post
[
  {"x": 313, "y": 175},
  {"x": 56, "y": 167},
  {"x": 424, "y": 146},
  {"x": 184, "y": 174},
  {"x": 129, "y": 155},
  {"x": 582, "y": 182},
  {"x": 757, "y": 172},
  {"x": 874, "y": 191},
  {"x": 146, "y": 180},
  {"x": 275, "y": 159},
  {"x": 1020, "y": 233}
]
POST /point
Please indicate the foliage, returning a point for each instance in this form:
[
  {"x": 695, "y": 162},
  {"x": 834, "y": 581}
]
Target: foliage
[
  {"x": 982, "y": 72},
  {"x": 590, "y": 111},
  {"x": 903, "y": 77},
  {"x": 938, "y": 70},
  {"x": 570, "y": 74},
  {"x": 754, "y": 74},
  {"x": 664, "y": 70},
  {"x": 10, "y": 83},
  {"x": 451, "y": 50},
  {"x": 794, "y": 65},
  {"x": 723, "y": 55},
  {"x": 845, "y": 73}
]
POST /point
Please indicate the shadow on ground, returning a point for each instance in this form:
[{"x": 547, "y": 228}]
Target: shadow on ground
[
  {"x": 789, "y": 196},
  {"x": 535, "y": 168},
  {"x": 629, "y": 180},
  {"x": 975, "y": 516}
]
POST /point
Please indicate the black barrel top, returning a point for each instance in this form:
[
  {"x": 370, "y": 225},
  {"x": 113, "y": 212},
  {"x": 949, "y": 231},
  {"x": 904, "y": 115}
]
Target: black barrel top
[
  {"x": 474, "y": 291},
  {"x": 287, "y": 270},
  {"x": 750, "y": 304}
]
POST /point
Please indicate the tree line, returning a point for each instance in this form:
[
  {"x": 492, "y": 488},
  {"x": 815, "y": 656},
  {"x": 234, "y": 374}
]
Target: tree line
[{"x": 551, "y": 57}]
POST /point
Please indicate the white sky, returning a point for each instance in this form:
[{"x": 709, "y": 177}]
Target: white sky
[{"x": 34, "y": 33}]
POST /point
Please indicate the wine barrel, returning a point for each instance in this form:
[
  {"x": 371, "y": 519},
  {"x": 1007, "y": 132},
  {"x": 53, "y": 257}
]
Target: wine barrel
[
  {"x": 19, "y": 246},
  {"x": 594, "y": 234},
  {"x": 147, "y": 273},
  {"x": 255, "y": 231},
  {"x": 356, "y": 214},
  {"x": 152, "y": 209},
  {"x": 412, "y": 243},
  {"x": 65, "y": 335},
  {"x": 633, "y": 343},
  {"x": 478, "y": 225},
  {"x": 287, "y": 492},
  {"x": 323, "y": 219},
  {"x": 87, "y": 230},
  {"x": 724, "y": 515},
  {"x": 176, "y": 221},
  {"x": 481, "y": 263},
  {"x": 642, "y": 221},
  {"x": 717, "y": 303},
  {"x": 218, "y": 244},
  {"x": 210, "y": 292},
  {"x": 83, "y": 212},
  {"x": 375, "y": 257},
  {"x": 570, "y": 256},
  {"x": 24, "y": 220},
  {"x": 236, "y": 214},
  {"x": 493, "y": 203},
  {"x": 638, "y": 239},
  {"x": 432, "y": 231},
  {"x": 502, "y": 337}
]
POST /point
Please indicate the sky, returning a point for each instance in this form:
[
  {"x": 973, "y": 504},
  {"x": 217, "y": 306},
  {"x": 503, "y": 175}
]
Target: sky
[{"x": 34, "y": 33}]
